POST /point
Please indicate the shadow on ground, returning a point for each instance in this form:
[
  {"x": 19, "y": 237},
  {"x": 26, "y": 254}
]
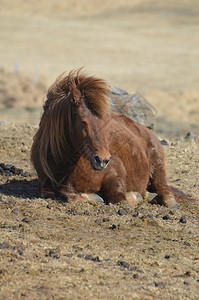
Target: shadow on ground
[{"x": 21, "y": 188}]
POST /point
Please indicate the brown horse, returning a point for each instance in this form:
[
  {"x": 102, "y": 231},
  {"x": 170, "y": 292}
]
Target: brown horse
[{"x": 81, "y": 147}]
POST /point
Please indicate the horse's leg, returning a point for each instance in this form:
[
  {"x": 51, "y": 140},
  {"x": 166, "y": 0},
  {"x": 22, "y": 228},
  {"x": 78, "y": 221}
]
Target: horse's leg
[
  {"x": 47, "y": 191},
  {"x": 133, "y": 198},
  {"x": 72, "y": 197},
  {"x": 114, "y": 190},
  {"x": 158, "y": 180}
]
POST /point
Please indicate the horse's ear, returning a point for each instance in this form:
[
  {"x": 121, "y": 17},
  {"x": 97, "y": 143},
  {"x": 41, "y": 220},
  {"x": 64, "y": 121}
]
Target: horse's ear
[{"x": 76, "y": 96}]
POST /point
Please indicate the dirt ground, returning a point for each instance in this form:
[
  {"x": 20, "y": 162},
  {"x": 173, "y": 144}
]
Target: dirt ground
[{"x": 52, "y": 250}]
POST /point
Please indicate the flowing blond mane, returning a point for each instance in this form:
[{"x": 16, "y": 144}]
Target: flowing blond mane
[{"x": 55, "y": 128}]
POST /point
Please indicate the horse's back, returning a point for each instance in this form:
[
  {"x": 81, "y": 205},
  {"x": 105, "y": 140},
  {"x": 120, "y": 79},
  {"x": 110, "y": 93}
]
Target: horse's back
[{"x": 136, "y": 130}]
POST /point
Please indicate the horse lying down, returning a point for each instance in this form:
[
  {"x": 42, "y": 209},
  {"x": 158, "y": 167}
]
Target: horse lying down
[{"x": 82, "y": 149}]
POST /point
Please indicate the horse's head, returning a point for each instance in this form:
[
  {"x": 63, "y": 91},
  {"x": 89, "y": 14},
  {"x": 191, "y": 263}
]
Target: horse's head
[
  {"x": 90, "y": 97},
  {"x": 92, "y": 139},
  {"x": 74, "y": 122}
]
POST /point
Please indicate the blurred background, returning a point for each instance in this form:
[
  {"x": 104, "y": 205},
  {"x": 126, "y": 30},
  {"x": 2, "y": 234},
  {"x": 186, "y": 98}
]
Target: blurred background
[{"x": 145, "y": 46}]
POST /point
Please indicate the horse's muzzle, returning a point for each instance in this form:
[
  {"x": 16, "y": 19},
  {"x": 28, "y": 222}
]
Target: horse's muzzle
[{"x": 98, "y": 163}]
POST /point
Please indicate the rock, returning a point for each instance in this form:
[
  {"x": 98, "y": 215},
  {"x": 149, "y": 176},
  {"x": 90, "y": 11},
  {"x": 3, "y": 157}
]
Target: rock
[
  {"x": 4, "y": 245},
  {"x": 140, "y": 271},
  {"x": 121, "y": 212},
  {"x": 25, "y": 220},
  {"x": 190, "y": 136},
  {"x": 118, "y": 91},
  {"x": 98, "y": 221},
  {"x": 134, "y": 106},
  {"x": 107, "y": 259},
  {"x": 10, "y": 170},
  {"x": 135, "y": 214},
  {"x": 113, "y": 226},
  {"x": 164, "y": 143},
  {"x": 183, "y": 220},
  {"x": 166, "y": 217},
  {"x": 188, "y": 273},
  {"x": 20, "y": 252},
  {"x": 53, "y": 254},
  {"x": 80, "y": 255},
  {"x": 105, "y": 220},
  {"x": 187, "y": 243},
  {"x": 149, "y": 216},
  {"x": 123, "y": 264},
  {"x": 159, "y": 284},
  {"x": 93, "y": 258}
]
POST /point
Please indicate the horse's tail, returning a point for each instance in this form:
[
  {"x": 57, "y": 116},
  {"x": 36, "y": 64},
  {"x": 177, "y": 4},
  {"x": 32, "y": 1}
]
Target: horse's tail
[{"x": 180, "y": 196}]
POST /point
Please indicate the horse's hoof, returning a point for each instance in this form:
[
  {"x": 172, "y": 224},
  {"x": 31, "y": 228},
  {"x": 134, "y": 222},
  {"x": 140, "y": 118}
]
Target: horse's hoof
[
  {"x": 133, "y": 199},
  {"x": 170, "y": 202},
  {"x": 149, "y": 197},
  {"x": 92, "y": 198}
]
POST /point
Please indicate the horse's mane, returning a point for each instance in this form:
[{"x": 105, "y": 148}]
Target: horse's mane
[{"x": 55, "y": 128}]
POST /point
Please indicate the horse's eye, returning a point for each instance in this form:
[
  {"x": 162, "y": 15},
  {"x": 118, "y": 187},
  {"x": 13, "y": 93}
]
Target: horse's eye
[{"x": 84, "y": 123}]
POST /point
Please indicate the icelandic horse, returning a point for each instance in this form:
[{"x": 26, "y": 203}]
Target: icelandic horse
[{"x": 82, "y": 148}]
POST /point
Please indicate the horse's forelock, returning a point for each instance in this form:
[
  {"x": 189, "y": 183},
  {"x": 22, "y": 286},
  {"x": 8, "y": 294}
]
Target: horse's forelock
[
  {"x": 94, "y": 91},
  {"x": 96, "y": 94},
  {"x": 77, "y": 86}
]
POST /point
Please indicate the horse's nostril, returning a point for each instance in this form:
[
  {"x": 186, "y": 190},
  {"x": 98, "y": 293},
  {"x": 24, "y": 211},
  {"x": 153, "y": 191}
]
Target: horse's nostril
[
  {"x": 107, "y": 161},
  {"x": 97, "y": 159}
]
